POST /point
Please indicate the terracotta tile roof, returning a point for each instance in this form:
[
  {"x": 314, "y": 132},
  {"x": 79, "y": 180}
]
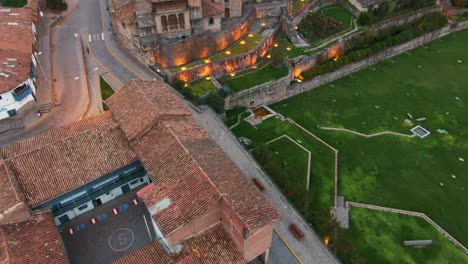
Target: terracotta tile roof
[
  {"x": 213, "y": 246},
  {"x": 16, "y": 40},
  {"x": 168, "y": 6},
  {"x": 176, "y": 176},
  {"x": 10, "y": 194},
  {"x": 70, "y": 162},
  {"x": 246, "y": 200},
  {"x": 139, "y": 105},
  {"x": 125, "y": 12},
  {"x": 33, "y": 241},
  {"x": 51, "y": 136},
  {"x": 210, "y": 9}
]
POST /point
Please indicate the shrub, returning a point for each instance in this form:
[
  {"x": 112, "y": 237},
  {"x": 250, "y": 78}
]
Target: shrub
[
  {"x": 215, "y": 101},
  {"x": 13, "y": 3},
  {"x": 365, "y": 18},
  {"x": 57, "y": 5},
  {"x": 317, "y": 26}
]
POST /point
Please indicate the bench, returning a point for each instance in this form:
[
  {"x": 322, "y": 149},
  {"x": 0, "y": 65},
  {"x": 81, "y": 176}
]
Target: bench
[
  {"x": 258, "y": 184},
  {"x": 296, "y": 231}
]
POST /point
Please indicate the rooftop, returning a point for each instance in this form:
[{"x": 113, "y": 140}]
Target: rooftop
[
  {"x": 16, "y": 38},
  {"x": 33, "y": 241},
  {"x": 210, "y": 247},
  {"x": 210, "y": 9}
]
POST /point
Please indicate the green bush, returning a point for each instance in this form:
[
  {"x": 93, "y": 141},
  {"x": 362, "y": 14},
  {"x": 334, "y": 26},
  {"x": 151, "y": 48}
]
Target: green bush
[
  {"x": 13, "y": 3},
  {"x": 57, "y": 5},
  {"x": 317, "y": 26},
  {"x": 372, "y": 43},
  {"x": 215, "y": 101},
  {"x": 365, "y": 18}
]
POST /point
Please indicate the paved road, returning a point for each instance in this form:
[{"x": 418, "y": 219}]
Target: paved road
[{"x": 71, "y": 94}]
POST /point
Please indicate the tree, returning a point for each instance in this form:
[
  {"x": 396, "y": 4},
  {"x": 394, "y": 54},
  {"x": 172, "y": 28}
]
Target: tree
[
  {"x": 278, "y": 54},
  {"x": 215, "y": 101},
  {"x": 365, "y": 18}
]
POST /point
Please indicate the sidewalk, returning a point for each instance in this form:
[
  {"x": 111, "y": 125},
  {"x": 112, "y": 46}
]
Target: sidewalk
[{"x": 310, "y": 249}]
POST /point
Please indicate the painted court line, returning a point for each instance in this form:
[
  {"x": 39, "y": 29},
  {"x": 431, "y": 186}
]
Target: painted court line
[{"x": 147, "y": 228}]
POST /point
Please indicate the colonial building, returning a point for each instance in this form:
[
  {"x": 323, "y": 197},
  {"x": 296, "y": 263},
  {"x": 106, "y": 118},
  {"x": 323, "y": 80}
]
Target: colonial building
[
  {"x": 143, "y": 25},
  {"x": 201, "y": 206},
  {"x": 17, "y": 58}
]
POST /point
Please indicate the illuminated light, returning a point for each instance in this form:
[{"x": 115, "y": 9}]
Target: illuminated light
[
  {"x": 335, "y": 59},
  {"x": 254, "y": 67},
  {"x": 276, "y": 45},
  {"x": 302, "y": 0},
  {"x": 299, "y": 80},
  {"x": 183, "y": 68},
  {"x": 288, "y": 48},
  {"x": 228, "y": 52},
  {"x": 326, "y": 240},
  {"x": 296, "y": 27},
  {"x": 263, "y": 24},
  {"x": 233, "y": 74},
  {"x": 208, "y": 78},
  {"x": 158, "y": 70},
  {"x": 186, "y": 85},
  {"x": 242, "y": 42},
  {"x": 207, "y": 61},
  {"x": 269, "y": 56},
  {"x": 250, "y": 35}
]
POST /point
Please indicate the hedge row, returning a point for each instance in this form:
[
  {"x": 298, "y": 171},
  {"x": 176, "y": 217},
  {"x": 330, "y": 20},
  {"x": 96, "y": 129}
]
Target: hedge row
[{"x": 365, "y": 47}]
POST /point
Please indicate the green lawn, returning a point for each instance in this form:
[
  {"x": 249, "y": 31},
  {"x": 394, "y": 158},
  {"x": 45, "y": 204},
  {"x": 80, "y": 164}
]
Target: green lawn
[
  {"x": 291, "y": 177},
  {"x": 393, "y": 171},
  {"x": 13, "y": 3},
  {"x": 339, "y": 13},
  {"x": 262, "y": 75},
  {"x": 201, "y": 87},
  {"x": 379, "y": 237},
  {"x": 106, "y": 90}
]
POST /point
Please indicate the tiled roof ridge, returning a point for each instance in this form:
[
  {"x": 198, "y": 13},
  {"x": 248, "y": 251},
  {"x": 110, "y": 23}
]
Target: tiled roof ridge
[
  {"x": 9, "y": 179},
  {"x": 193, "y": 159},
  {"x": 2, "y": 236},
  {"x": 58, "y": 141},
  {"x": 152, "y": 104}
]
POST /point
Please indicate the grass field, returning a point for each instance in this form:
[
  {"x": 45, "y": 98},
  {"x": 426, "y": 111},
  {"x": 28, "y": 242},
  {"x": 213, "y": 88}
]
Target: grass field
[
  {"x": 201, "y": 87},
  {"x": 291, "y": 178},
  {"x": 339, "y": 13},
  {"x": 379, "y": 237},
  {"x": 262, "y": 75},
  {"x": 106, "y": 91},
  {"x": 389, "y": 170}
]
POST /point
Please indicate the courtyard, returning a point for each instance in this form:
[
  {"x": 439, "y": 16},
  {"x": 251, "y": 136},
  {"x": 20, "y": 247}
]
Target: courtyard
[
  {"x": 367, "y": 118},
  {"x": 111, "y": 236}
]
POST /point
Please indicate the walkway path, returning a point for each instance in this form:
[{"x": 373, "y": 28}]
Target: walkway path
[
  {"x": 368, "y": 135},
  {"x": 311, "y": 248}
]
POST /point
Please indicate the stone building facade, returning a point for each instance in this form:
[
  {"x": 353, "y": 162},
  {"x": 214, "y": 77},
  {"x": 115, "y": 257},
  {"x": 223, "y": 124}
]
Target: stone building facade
[{"x": 144, "y": 25}]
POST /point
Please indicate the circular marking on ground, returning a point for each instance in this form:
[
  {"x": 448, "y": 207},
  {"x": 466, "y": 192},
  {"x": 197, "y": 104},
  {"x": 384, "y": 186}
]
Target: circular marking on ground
[{"x": 121, "y": 239}]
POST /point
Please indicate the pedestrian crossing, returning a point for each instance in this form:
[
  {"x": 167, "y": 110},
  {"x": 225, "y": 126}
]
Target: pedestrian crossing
[{"x": 95, "y": 37}]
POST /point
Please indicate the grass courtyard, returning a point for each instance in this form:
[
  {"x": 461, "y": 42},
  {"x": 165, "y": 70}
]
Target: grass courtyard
[
  {"x": 425, "y": 175},
  {"x": 264, "y": 74}
]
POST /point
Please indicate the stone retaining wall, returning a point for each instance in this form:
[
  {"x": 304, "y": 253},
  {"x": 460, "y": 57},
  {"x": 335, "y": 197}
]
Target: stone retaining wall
[
  {"x": 228, "y": 65},
  {"x": 253, "y": 97},
  {"x": 268, "y": 95}
]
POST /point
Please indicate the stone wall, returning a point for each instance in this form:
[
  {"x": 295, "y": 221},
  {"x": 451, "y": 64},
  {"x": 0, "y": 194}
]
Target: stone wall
[
  {"x": 259, "y": 95},
  {"x": 228, "y": 65},
  {"x": 202, "y": 45},
  {"x": 270, "y": 93},
  {"x": 268, "y": 10}
]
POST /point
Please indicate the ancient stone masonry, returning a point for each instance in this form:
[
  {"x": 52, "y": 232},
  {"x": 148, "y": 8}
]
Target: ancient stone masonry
[
  {"x": 152, "y": 27},
  {"x": 259, "y": 95},
  {"x": 229, "y": 65}
]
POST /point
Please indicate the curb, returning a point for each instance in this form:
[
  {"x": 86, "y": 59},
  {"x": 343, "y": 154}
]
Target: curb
[{"x": 84, "y": 81}]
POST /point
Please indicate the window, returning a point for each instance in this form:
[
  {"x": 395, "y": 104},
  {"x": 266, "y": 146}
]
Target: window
[
  {"x": 226, "y": 1},
  {"x": 164, "y": 23},
  {"x": 18, "y": 90},
  {"x": 123, "y": 25},
  {"x": 181, "y": 21},
  {"x": 211, "y": 21},
  {"x": 173, "y": 22},
  {"x": 0, "y": 97},
  {"x": 84, "y": 206},
  {"x": 134, "y": 182}
]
